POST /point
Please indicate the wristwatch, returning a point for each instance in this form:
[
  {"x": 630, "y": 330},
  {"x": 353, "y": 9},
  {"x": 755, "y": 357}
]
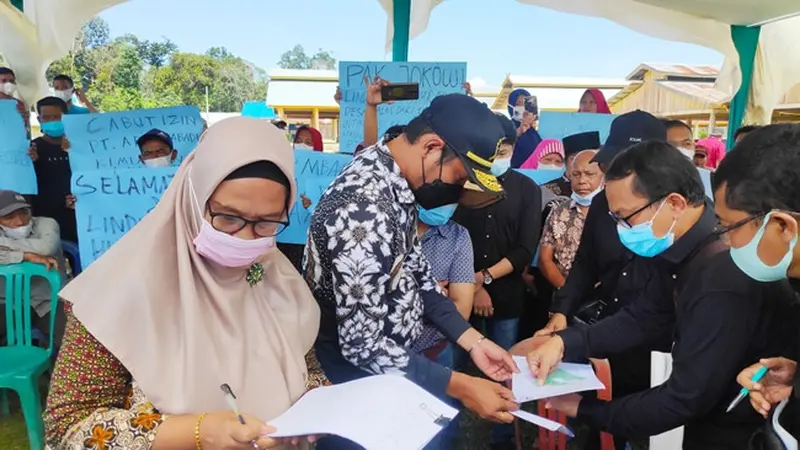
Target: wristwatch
[{"x": 487, "y": 277}]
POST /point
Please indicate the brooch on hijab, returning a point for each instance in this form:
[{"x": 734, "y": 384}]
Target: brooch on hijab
[{"x": 255, "y": 274}]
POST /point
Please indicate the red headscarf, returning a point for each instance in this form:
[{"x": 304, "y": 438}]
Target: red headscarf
[
  {"x": 600, "y": 99},
  {"x": 316, "y": 136}
]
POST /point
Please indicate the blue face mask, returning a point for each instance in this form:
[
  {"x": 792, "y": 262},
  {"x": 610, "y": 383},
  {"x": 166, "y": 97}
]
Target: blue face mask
[
  {"x": 746, "y": 258},
  {"x": 438, "y": 216},
  {"x": 500, "y": 166},
  {"x": 586, "y": 200},
  {"x": 53, "y": 129},
  {"x": 640, "y": 238}
]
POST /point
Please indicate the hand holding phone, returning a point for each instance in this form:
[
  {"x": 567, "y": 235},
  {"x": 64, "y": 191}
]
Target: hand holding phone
[{"x": 400, "y": 91}]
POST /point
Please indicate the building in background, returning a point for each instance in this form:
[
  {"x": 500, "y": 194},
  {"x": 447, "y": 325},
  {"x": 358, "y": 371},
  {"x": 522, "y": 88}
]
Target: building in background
[
  {"x": 556, "y": 93},
  {"x": 305, "y": 97}
]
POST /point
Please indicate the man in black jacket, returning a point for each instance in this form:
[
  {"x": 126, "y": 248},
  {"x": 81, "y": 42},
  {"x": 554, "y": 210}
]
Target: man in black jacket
[{"x": 720, "y": 318}]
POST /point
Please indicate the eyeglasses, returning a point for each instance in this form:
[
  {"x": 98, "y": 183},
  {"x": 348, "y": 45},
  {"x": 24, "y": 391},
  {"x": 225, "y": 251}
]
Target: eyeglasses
[
  {"x": 719, "y": 230},
  {"x": 230, "y": 224},
  {"x": 625, "y": 221}
]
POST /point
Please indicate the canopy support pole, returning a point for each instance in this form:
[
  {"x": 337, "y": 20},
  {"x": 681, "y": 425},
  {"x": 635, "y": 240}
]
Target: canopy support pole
[
  {"x": 402, "y": 25},
  {"x": 745, "y": 39}
]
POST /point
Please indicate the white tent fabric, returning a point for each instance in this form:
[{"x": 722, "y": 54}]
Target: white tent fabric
[
  {"x": 30, "y": 41},
  {"x": 706, "y": 23}
]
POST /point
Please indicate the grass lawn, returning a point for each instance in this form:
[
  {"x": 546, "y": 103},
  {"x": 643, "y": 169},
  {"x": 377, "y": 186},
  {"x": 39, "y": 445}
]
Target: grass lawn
[{"x": 13, "y": 435}]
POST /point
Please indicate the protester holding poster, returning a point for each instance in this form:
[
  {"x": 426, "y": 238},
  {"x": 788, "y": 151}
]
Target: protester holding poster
[
  {"x": 192, "y": 297},
  {"x": 50, "y": 155}
]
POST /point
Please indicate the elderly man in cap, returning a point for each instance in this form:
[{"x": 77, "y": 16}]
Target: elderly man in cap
[
  {"x": 573, "y": 145},
  {"x": 365, "y": 265},
  {"x": 156, "y": 149},
  {"x": 36, "y": 240}
]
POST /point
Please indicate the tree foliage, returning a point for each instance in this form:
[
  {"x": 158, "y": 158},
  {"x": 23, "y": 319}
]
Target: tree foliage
[
  {"x": 128, "y": 73},
  {"x": 297, "y": 58}
]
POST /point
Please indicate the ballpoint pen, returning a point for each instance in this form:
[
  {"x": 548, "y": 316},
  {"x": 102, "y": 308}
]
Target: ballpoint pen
[
  {"x": 745, "y": 392},
  {"x": 231, "y": 399}
]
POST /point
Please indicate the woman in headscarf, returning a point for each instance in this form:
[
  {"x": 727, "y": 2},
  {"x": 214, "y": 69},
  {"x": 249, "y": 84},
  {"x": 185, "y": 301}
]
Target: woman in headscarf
[
  {"x": 715, "y": 151},
  {"x": 593, "y": 101},
  {"x": 192, "y": 297},
  {"x": 308, "y": 138},
  {"x": 549, "y": 155},
  {"x": 527, "y": 136}
]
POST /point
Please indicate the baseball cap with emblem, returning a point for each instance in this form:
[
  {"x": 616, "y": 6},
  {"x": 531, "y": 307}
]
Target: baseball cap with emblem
[
  {"x": 10, "y": 202},
  {"x": 157, "y": 134},
  {"x": 472, "y": 130},
  {"x": 630, "y": 129}
]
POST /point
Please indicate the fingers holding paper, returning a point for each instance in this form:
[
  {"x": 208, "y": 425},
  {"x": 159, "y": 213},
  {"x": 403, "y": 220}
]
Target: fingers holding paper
[
  {"x": 545, "y": 358},
  {"x": 566, "y": 404},
  {"x": 487, "y": 399}
]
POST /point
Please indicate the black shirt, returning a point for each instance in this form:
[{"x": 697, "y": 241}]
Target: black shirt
[
  {"x": 601, "y": 257},
  {"x": 725, "y": 321},
  {"x": 53, "y": 176},
  {"x": 509, "y": 229}
]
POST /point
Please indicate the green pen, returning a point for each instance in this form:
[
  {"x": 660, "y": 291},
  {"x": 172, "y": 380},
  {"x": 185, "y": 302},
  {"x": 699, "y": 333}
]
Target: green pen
[{"x": 745, "y": 392}]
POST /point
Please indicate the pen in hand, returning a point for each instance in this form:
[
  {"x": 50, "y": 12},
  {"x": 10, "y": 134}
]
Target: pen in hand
[
  {"x": 231, "y": 399},
  {"x": 744, "y": 392}
]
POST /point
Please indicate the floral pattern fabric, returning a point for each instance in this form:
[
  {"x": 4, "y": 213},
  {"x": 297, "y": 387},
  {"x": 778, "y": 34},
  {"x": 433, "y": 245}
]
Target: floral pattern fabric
[
  {"x": 94, "y": 404},
  {"x": 364, "y": 257},
  {"x": 562, "y": 232}
]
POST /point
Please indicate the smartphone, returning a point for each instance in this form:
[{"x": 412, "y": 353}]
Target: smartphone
[
  {"x": 400, "y": 91},
  {"x": 532, "y": 105}
]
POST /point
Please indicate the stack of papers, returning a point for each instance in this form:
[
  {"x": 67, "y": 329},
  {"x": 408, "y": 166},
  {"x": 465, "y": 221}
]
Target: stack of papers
[
  {"x": 567, "y": 378},
  {"x": 381, "y": 412}
]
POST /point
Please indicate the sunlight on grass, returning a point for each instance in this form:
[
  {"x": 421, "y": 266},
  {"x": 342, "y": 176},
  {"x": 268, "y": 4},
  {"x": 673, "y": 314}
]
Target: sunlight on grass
[{"x": 13, "y": 434}]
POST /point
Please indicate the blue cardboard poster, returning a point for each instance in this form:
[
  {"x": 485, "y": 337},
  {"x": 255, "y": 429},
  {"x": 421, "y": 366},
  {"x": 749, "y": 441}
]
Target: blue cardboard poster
[
  {"x": 111, "y": 202},
  {"x": 434, "y": 78},
  {"x": 16, "y": 167},
  {"x": 314, "y": 172},
  {"x": 558, "y": 125},
  {"x": 108, "y": 140}
]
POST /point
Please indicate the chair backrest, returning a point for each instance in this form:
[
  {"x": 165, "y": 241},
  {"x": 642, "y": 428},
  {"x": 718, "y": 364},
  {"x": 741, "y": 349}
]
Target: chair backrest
[
  {"x": 18, "y": 300},
  {"x": 71, "y": 249}
]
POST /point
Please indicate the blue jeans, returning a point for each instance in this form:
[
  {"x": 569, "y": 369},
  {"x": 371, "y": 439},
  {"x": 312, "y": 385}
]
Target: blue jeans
[{"x": 502, "y": 332}]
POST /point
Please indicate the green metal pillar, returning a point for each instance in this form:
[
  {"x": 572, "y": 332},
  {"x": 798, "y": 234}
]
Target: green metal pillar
[
  {"x": 402, "y": 24},
  {"x": 745, "y": 39},
  {"x": 17, "y": 4}
]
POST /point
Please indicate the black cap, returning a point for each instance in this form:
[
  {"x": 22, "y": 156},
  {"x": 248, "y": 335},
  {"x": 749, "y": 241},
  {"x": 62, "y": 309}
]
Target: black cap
[
  {"x": 155, "y": 133},
  {"x": 508, "y": 127},
  {"x": 11, "y": 201},
  {"x": 630, "y": 129},
  {"x": 577, "y": 143},
  {"x": 471, "y": 129}
]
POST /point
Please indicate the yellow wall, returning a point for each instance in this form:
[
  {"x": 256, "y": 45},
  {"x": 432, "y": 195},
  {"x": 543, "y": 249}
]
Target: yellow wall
[{"x": 658, "y": 100}]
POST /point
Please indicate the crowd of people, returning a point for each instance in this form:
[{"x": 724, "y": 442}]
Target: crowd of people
[{"x": 428, "y": 255}]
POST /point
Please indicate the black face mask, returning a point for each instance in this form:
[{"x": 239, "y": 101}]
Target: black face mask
[{"x": 436, "y": 193}]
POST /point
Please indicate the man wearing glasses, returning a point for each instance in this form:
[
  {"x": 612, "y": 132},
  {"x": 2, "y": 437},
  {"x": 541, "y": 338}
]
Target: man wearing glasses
[{"x": 719, "y": 318}]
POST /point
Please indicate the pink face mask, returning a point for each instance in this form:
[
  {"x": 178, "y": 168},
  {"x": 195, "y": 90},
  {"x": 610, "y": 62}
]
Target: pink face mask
[{"x": 224, "y": 249}]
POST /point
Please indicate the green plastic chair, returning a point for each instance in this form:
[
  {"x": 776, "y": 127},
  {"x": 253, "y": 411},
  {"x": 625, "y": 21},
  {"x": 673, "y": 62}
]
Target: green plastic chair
[{"x": 21, "y": 362}]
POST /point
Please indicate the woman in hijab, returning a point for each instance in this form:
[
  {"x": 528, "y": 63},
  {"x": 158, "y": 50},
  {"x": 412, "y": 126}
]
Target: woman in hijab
[
  {"x": 527, "y": 136},
  {"x": 549, "y": 155},
  {"x": 308, "y": 138},
  {"x": 593, "y": 101},
  {"x": 192, "y": 297},
  {"x": 715, "y": 151}
]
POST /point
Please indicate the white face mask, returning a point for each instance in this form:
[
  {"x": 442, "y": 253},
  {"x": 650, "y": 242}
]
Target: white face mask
[
  {"x": 549, "y": 167},
  {"x": 518, "y": 112},
  {"x": 64, "y": 95},
  {"x": 687, "y": 152},
  {"x": 586, "y": 200},
  {"x": 302, "y": 146},
  {"x": 9, "y": 89},
  {"x": 164, "y": 161},
  {"x": 19, "y": 232}
]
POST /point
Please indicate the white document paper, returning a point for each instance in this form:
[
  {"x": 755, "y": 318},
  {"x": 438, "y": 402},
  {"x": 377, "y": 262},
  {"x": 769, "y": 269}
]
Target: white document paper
[
  {"x": 543, "y": 422},
  {"x": 567, "y": 378},
  {"x": 381, "y": 412}
]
